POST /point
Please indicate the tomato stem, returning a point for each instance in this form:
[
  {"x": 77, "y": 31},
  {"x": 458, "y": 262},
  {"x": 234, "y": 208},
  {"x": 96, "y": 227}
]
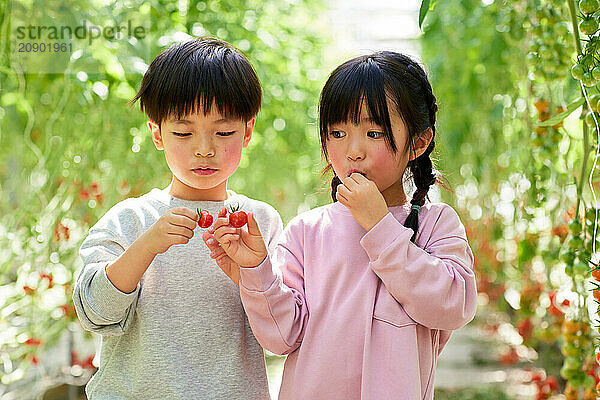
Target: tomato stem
[{"x": 575, "y": 27}]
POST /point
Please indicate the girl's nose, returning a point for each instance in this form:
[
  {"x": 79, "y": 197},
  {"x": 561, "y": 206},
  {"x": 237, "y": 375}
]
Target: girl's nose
[{"x": 355, "y": 152}]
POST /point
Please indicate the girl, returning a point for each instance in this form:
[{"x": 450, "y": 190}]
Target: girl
[{"x": 361, "y": 294}]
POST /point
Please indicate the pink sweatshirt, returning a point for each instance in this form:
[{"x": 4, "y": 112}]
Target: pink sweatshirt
[{"x": 362, "y": 315}]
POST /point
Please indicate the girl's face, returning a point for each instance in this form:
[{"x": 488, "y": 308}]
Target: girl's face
[
  {"x": 362, "y": 148},
  {"x": 202, "y": 152}
]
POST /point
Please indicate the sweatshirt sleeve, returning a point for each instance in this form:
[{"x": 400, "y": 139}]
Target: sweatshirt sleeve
[
  {"x": 435, "y": 286},
  {"x": 276, "y": 306},
  {"x": 100, "y": 306}
]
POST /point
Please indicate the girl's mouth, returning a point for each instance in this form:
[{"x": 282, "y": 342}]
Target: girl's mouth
[{"x": 357, "y": 171}]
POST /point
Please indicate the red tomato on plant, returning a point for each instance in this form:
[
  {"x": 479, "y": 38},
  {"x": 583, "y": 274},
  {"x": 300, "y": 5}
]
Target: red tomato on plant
[
  {"x": 205, "y": 220},
  {"x": 238, "y": 218}
]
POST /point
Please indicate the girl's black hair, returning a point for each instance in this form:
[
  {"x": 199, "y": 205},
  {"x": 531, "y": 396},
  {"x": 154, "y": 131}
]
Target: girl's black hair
[
  {"x": 190, "y": 76},
  {"x": 373, "y": 80}
]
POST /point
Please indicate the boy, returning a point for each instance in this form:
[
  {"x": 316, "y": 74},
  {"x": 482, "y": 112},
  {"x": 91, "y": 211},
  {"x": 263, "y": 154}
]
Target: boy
[{"x": 172, "y": 324}]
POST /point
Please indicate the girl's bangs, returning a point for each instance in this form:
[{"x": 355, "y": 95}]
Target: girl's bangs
[{"x": 351, "y": 88}]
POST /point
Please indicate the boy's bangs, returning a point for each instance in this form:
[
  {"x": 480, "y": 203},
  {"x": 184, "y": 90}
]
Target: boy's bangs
[
  {"x": 351, "y": 89},
  {"x": 194, "y": 76},
  {"x": 199, "y": 89}
]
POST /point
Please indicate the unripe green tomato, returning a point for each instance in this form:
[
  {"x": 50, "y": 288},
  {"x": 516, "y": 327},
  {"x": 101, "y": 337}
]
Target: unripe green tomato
[
  {"x": 572, "y": 363},
  {"x": 588, "y": 80},
  {"x": 577, "y": 71},
  {"x": 575, "y": 227},
  {"x": 568, "y": 257},
  {"x": 588, "y": 26},
  {"x": 569, "y": 270},
  {"x": 588, "y": 6},
  {"x": 588, "y": 382},
  {"x": 538, "y": 141},
  {"x": 589, "y": 119},
  {"x": 594, "y": 101},
  {"x": 556, "y": 136},
  {"x": 580, "y": 269},
  {"x": 569, "y": 350},
  {"x": 576, "y": 243},
  {"x": 596, "y": 73},
  {"x": 567, "y": 373}
]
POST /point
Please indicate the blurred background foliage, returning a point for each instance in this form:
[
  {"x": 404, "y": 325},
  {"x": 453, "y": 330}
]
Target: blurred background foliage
[{"x": 523, "y": 190}]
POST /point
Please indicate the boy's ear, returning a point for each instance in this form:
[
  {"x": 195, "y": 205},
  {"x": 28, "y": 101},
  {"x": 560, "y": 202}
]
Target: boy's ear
[
  {"x": 421, "y": 143},
  {"x": 248, "y": 133},
  {"x": 156, "y": 135}
]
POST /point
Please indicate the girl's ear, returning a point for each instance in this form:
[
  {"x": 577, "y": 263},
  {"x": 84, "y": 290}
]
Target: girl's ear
[
  {"x": 421, "y": 143},
  {"x": 156, "y": 135},
  {"x": 248, "y": 132}
]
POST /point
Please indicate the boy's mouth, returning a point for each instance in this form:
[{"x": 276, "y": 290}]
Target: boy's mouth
[{"x": 204, "y": 171}]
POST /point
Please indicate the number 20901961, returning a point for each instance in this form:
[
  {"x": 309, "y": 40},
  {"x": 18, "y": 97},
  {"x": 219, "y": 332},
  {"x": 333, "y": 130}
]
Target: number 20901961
[{"x": 45, "y": 47}]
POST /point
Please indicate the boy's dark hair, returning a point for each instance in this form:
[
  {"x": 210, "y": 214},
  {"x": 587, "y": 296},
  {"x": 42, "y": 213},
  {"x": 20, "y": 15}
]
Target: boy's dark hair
[
  {"x": 190, "y": 76},
  {"x": 374, "y": 79}
]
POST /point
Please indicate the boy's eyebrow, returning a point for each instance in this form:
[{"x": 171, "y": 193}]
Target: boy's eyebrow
[{"x": 188, "y": 122}]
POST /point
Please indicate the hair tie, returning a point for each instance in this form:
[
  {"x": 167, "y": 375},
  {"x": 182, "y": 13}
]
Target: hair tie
[{"x": 416, "y": 207}]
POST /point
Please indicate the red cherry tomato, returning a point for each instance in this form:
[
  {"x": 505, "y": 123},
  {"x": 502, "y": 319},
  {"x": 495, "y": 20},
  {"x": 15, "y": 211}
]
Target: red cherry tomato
[
  {"x": 238, "y": 219},
  {"x": 205, "y": 220}
]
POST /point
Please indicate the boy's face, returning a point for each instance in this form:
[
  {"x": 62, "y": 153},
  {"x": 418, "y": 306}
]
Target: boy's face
[{"x": 202, "y": 152}]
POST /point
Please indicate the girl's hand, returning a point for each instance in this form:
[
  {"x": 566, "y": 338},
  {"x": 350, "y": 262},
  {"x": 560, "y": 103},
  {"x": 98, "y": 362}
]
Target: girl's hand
[
  {"x": 176, "y": 226},
  {"x": 363, "y": 199},
  {"x": 246, "y": 248},
  {"x": 230, "y": 267}
]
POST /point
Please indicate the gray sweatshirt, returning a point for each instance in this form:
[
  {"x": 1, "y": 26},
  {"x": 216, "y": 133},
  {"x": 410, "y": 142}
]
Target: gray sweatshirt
[{"x": 183, "y": 333}]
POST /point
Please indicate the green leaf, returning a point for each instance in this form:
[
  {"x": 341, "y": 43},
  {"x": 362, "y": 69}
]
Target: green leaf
[
  {"x": 426, "y": 6},
  {"x": 423, "y": 11},
  {"x": 559, "y": 117}
]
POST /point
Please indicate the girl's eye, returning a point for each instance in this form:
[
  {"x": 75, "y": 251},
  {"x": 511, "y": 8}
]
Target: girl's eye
[
  {"x": 374, "y": 134},
  {"x": 182, "y": 134},
  {"x": 225, "y": 133},
  {"x": 337, "y": 134}
]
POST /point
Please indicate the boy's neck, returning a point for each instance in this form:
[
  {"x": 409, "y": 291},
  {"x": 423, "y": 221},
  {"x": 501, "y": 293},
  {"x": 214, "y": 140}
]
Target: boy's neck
[{"x": 182, "y": 191}]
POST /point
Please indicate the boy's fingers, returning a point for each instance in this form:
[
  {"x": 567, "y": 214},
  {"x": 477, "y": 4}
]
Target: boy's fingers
[
  {"x": 186, "y": 212},
  {"x": 222, "y": 212},
  {"x": 180, "y": 220}
]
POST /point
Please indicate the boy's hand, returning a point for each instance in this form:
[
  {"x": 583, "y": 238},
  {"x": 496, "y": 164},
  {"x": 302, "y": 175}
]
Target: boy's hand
[
  {"x": 246, "y": 248},
  {"x": 230, "y": 267},
  {"x": 364, "y": 200},
  {"x": 176, "y": 226}
]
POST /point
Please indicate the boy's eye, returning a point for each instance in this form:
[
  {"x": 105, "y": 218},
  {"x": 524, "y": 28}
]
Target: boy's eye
[
  {"x": 337, "y": 134},
  {"x": 225, "y": 133},
  {"x": 181, "y": 134},
  {"x": 374, "y": 134}
]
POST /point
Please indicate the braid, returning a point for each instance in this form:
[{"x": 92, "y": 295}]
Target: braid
[
  {"x": 422, "y": 167},
  {"x": 334, "y": 184}
]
